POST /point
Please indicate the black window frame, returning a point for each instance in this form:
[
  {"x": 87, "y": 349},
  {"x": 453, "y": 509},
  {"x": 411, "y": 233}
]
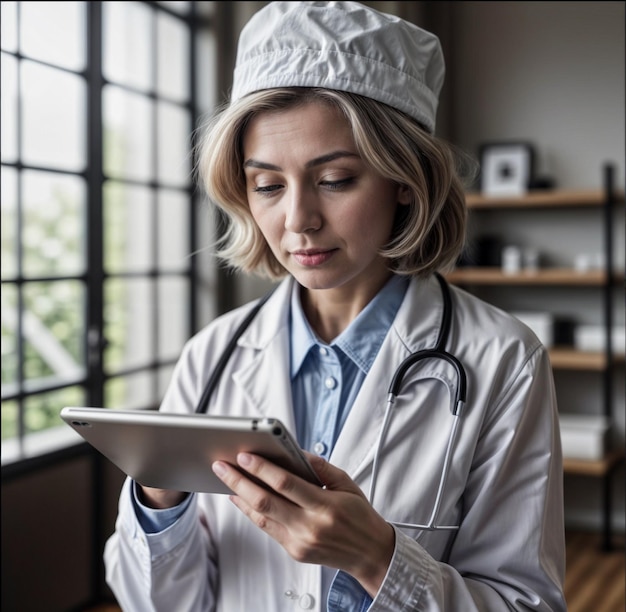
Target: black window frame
[{"x": 95, "y": 275}]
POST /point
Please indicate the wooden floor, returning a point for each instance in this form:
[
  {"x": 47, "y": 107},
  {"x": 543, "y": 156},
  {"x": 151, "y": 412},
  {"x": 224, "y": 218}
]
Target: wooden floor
[{"x": 595, "y": 580}]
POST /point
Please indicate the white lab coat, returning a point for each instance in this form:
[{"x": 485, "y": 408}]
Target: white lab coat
[{"x": 504, "y": 488}]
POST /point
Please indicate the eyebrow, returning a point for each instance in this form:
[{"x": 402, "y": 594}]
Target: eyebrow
[{"x": 318, "y": 161}]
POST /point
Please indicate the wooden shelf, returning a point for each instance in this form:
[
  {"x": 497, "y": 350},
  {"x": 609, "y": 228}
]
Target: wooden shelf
[
  {"x": 559, "y": 198},
  {"x": 568, "y": 358},
  {"x": 549, "y": 276},
  {"x": 601, "y": 467},
  {"x": 602, "y": 203}
]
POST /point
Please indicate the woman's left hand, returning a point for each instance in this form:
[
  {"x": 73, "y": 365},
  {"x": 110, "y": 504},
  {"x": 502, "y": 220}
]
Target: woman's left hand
[{"x": 334, "y": 526}]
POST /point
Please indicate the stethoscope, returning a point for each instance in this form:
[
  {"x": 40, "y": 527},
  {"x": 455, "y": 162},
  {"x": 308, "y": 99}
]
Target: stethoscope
[{"x": 437, "y": 352}]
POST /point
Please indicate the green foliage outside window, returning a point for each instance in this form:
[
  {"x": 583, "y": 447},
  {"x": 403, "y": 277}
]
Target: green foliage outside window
[{"x": 52, "y": 313}]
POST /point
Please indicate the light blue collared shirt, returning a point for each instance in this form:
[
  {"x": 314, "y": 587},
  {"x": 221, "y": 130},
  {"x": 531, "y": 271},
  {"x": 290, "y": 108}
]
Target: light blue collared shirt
[{"x": 326, "y": 378}]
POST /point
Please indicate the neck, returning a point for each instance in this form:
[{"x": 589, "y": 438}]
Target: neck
[{"x": 330, "y": 311}]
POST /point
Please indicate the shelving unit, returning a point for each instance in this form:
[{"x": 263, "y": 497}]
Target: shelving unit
[
  {"x": 548, "y": 276},
  {"x": 603, "y": 280}
]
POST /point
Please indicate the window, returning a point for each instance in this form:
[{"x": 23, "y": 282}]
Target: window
[{"x": 98, "y": 210}]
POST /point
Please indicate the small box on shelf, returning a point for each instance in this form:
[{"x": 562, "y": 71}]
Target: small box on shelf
[
  {"x": 583, "y": 436},
  {"x": 592, "y": 338}
]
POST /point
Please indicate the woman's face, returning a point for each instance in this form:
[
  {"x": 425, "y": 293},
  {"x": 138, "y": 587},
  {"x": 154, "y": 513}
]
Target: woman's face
[{"x": 324, "y": 213}]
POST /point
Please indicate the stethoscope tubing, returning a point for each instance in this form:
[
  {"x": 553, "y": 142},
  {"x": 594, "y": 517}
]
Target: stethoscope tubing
[
  {"x": 445, "y": 470},
  {"x": 457, "y": 405}
]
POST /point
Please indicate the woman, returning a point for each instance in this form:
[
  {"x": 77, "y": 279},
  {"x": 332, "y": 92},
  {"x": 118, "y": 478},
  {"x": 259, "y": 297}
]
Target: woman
[{"x": 326, "y": 165}]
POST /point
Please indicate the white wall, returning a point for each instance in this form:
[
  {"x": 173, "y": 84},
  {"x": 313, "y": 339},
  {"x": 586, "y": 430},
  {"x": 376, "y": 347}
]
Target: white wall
[{"x": 548, "y": 72}]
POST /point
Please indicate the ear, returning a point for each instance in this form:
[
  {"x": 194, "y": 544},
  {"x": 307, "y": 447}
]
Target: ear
[{"x": 405, "y": 195}]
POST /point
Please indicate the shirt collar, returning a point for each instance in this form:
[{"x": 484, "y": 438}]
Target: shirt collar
[{"x": 361, "y": 340}]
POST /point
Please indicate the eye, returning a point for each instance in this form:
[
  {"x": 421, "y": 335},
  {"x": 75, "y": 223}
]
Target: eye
[
  {"x": 266, "y": 190},
  {"x": 337, "y": 185}
]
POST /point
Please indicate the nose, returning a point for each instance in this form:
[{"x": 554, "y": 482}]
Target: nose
[{"x": 303, "y": 213}]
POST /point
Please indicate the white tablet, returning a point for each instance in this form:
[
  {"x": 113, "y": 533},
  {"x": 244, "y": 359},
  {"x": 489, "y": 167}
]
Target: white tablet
[{"x": 175, "y": 451}]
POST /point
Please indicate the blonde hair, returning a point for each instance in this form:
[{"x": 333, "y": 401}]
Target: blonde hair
[{"x": 428, "y": 234}]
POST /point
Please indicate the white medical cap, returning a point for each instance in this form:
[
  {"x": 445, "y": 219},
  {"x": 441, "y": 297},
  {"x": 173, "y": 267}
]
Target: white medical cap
[{"x": 344, "y": 46}]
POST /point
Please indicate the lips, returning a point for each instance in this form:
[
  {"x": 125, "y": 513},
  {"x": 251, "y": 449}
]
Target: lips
[{"x": 313, "y": 257}]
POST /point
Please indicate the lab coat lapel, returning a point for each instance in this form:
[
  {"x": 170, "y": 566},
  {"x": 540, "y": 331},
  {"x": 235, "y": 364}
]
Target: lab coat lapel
[
  {"x": 265, "y": 381},
  {"x": 415, "y": 327},
  {"x": 353, "y": 451}
]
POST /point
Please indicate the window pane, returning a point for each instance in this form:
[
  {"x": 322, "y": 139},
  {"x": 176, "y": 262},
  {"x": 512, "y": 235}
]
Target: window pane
[
  {"x": 173, "y": 58},
  {"x": 131, "y": 392},
  {"x": 54, "y": 329},
  {"x": 127, "y": 53},
  {"x": 54, "y": 32},
  {"x": 45, "y": 431},
  {"x": 174, "y": 230},
  {"x": 8, "y": 26},
  {"x": 206, "y": 72},
  {"x": 128, "y": 136},
  {"x": 174, "y": 295},
  {"x": 129, "y": 323},
  {"x": 9, "y": 420},
  {"x": 174, "y": 148},
  {"x": 8, "y": 108},
  {"x": 54, "y": 118},
  {"x": 54, "y": 228},
  {"x": 128, "y": 227},
  {"x": 9, "y": 339},
  {"x": 41, "y": 411},
  {"x": 8, "y": 227}
]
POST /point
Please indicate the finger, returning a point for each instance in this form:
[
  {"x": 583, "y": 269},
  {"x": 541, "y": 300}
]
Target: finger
[
  {"x": 282, "y": 481},
  {"x": 237, "y": 481},
  {"x": 260, "y": 504},
  {"x": 257, "y": 493},
  {"x": 333, "y": 477},
  {"x": 260, "y": 511}
]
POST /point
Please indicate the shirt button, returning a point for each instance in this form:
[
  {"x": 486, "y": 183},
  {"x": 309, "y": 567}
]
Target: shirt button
[
  {"x": 319, "y": 448},
  {"x": 323, "y": 351},
  {"x": 330, "y": 383},
  {"x": 306, "y": 602}
]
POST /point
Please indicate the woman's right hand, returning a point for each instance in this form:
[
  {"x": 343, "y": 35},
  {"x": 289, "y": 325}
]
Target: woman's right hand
[{"x": 160, "y": 498}]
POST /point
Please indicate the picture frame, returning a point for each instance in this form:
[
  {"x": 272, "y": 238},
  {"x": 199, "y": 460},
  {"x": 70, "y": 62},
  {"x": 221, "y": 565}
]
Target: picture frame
[{"x": 507, "y": 168}]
